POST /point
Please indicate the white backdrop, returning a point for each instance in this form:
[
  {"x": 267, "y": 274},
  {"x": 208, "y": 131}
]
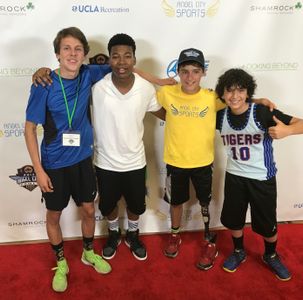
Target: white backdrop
[{"x": 262, "y": 36}]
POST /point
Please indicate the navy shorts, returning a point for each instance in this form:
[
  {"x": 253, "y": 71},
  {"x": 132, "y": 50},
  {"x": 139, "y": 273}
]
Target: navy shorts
[
  {"x": 261, "y": 195},
  {"x": 177, "y": 184},
  {"x": 113, "y": 185},
  {"x": 77, "y": 181}
]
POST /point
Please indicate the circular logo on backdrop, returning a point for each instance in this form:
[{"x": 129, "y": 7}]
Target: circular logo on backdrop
[{"x": 171, "y": 70}]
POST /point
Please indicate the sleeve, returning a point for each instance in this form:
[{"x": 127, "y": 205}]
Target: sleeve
[
  {"x": 161, "y": 96},
  {"x": 97, "y": 72},
  {"x": 219, "y": 119},
  {"x": 219, "y": 104},
  {"x": 153, "y": 104},
  {"x": 265, "y": 116},
  {"x": 37, "y": 104}
]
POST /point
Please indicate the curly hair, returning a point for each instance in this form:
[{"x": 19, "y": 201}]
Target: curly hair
[
  {"x": 121, "y": 39},
  {"x": 236, "y": 78},
  {"x": 73, "y": 32}
]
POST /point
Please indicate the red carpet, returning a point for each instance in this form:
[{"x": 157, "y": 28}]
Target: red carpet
[{"x": 26, "y": 271}]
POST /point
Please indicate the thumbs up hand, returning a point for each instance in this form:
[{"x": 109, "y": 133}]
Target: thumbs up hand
[{"x": 279, "y": 131}]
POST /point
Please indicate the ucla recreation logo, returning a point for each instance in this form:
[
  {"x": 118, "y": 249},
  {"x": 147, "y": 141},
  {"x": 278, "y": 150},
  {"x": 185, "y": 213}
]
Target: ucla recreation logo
[
  {"x": 25, "y": 177},
  {"x": 190, "y": 8},
  {"x": 172, "y": 68},
  {"x": 277, "y": 8},
  {"x": 14, "y": 8},
  {"x": 100, "y": 9}
]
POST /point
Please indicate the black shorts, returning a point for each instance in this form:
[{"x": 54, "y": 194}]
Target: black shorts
[
  {"x": 113, "y": 185},
  {"x": 77, "y": 181},
  {"x": 177, "y": 184},
  {"x": 260, "y": 195}
]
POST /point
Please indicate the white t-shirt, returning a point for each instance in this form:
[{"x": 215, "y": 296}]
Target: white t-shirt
[{"x": 118, "y": 123}]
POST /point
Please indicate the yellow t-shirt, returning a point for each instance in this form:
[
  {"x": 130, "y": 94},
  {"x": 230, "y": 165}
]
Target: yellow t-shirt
[{"x": 190, "y": 126}]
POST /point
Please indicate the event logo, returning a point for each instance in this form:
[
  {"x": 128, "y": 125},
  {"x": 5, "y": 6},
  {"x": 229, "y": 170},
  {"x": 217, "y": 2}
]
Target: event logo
[
  {"x": 271, "y": 66},
  {"x": 172, "y": 69},
  {"x": 17, "y": 72},
  {"x": 16, "y": 130},
  {"x": 98, "y": 9},
  {"x": 16, "y": 10},
  {"x": 190, "y": 8},
  {"x": 26, "y": 177},
  {"x": 276, "y": 8},
  {"x": 31, "y": 223}
]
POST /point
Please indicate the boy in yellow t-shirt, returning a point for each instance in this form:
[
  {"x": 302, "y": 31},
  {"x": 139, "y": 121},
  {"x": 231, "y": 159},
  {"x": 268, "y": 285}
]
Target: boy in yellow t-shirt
[{"x": 189, "y": 148}]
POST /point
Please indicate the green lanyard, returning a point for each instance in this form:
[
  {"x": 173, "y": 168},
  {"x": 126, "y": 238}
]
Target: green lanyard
[{"x": 69, "y": 116}]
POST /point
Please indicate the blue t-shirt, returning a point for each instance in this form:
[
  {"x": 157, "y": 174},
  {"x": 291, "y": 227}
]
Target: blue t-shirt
[{"x": 46, "y": 106}]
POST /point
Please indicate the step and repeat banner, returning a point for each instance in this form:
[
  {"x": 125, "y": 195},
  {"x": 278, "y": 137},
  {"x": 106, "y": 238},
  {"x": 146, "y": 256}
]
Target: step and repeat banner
[{"x": 262, "y": 36}]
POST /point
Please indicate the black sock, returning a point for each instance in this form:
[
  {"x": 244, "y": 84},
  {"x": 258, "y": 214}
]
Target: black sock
[
  {"x": 88, "y": 243},
  {"x": 58, "y": 249},
  {"x": 238, "y": 242},
  {"x": 270, "y": 247}
]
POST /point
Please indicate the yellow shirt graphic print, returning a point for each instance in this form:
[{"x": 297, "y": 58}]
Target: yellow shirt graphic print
[{"x": 190, "y": 126}]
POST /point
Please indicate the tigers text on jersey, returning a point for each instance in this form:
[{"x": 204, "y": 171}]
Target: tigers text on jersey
[{"x": 249, "y": 147}]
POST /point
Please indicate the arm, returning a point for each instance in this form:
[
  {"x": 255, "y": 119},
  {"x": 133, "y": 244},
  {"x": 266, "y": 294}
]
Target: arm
[
  {"x": 281, "y": 130},
  {"x": 153, "y": 79},
  {"x": 161, "y": 113},
  {"x": 43, "y": 180},
  {"x": 265, "y": 102},
  {"x": 42, "y": 76}
]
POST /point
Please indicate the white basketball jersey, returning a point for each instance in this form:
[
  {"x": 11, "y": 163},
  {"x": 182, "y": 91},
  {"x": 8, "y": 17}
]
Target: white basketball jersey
[{"x": 249, "y": 148}]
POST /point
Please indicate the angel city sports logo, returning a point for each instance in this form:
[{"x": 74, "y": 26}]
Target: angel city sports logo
[
  {"x": 172, "y": 69},
  {"x": 189, "y": 111},
  {"x": 16, "y": 10},
  {"x": 25, "y": 177},
  {"x": 190, "y": 8}
]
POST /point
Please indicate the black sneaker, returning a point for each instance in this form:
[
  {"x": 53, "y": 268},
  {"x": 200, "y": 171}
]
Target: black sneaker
[
  {"x": 113, "y": 241},
  {"x": 136, "y": 246}
]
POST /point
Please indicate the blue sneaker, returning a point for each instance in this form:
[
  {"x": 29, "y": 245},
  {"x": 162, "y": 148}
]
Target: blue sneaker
[
  {"x": 234, "y": 260},
  {"x": 275, "y": 264}
]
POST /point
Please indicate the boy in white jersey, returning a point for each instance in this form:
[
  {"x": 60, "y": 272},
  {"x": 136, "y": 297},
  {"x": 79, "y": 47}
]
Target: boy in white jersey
[{"x": 247, "y": 130}]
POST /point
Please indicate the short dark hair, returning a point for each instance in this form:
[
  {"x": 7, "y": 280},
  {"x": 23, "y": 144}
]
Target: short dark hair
[
  {"x": 75, "y": 33},
  {"x": 121, "y": 39},
  {"x": 238, "y": 78}
]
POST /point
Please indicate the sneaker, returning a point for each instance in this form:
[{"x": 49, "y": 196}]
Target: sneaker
[
  {"x": 208, "y": 255},
  {"x": 59, "y": 283},
  {"x": 172, "y": 248},
  {"x": 112, "y": 243},
  {"x": 234, "y": 260},
  {"x": 275, "y": 264},
  {"x": 96, "y": 261},
  {"x": 136, "y": 246}
]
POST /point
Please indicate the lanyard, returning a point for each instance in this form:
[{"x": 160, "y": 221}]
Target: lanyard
[{"x": 69, "y": 116}]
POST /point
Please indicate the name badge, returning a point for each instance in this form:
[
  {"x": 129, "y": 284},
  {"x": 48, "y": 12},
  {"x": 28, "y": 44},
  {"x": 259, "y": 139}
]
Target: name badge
[{"x": 71, "y": 138}]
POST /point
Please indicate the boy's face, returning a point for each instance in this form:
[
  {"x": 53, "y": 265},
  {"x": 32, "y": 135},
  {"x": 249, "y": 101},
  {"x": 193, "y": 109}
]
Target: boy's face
[
  {"x": 235, "y": 97},
  {"x": 122, "y": 61},
  {"x": 190, "y": 77},
  {"x": 71, "y": 55}
]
